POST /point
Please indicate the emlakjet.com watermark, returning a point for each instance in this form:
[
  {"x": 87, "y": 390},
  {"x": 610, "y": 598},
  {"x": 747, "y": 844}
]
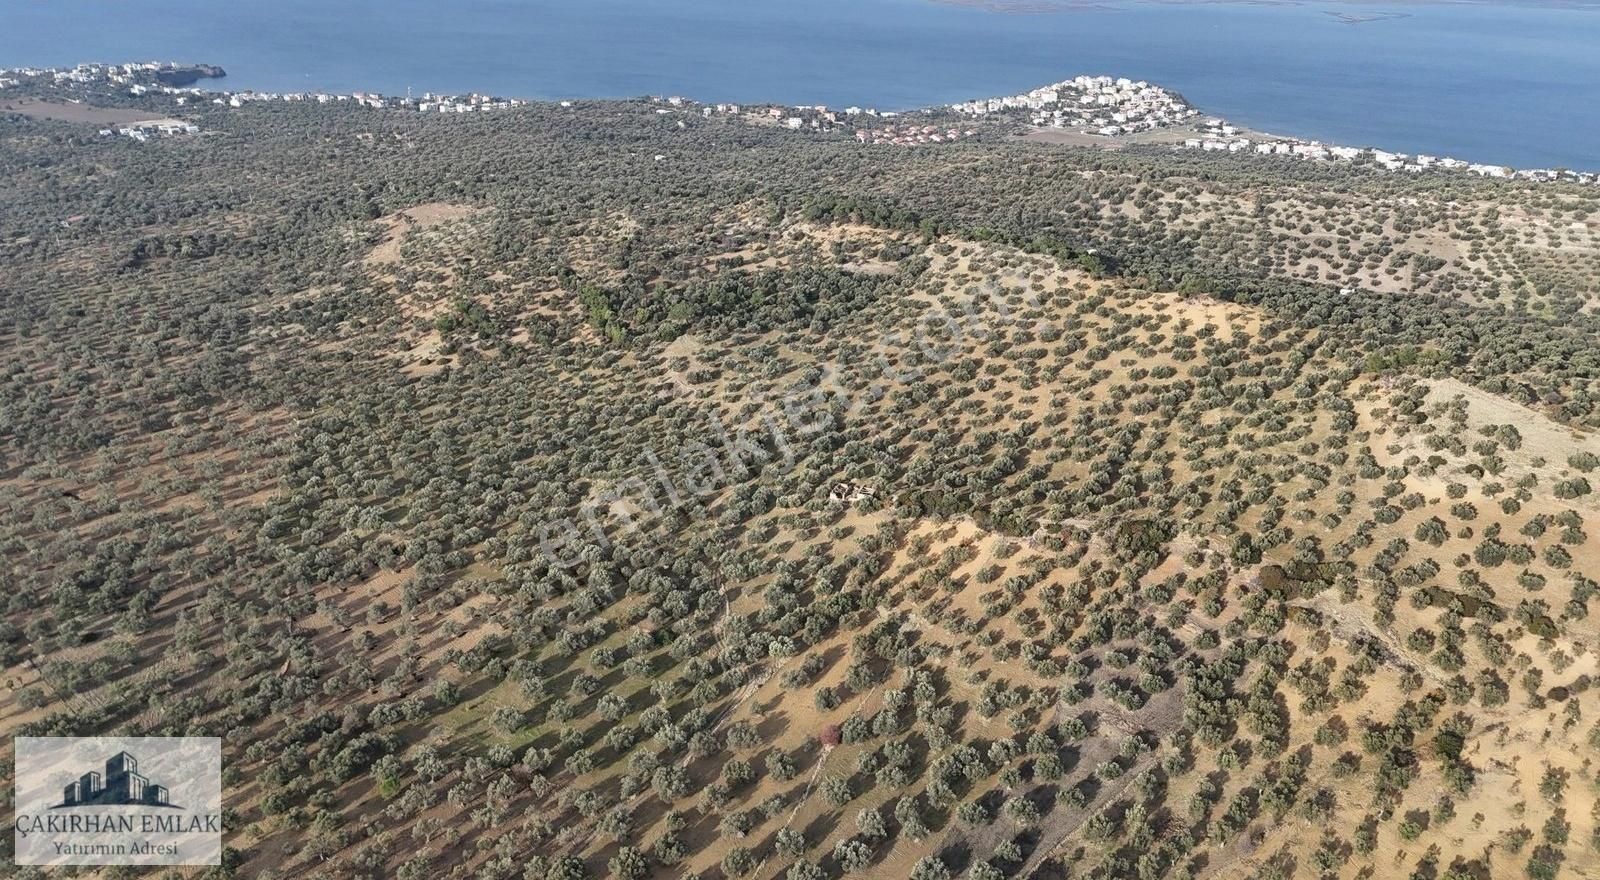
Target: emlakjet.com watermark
[{"x": 118, "y": 800}]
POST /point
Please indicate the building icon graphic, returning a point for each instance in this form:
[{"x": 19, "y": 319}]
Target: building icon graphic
[{"x": 121, "y": 785}]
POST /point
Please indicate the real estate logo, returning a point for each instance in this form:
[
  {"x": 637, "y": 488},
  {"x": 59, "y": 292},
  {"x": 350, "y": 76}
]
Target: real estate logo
[
  {"x": 122, "y": 785},
  {"x": 118, "y": 800}
]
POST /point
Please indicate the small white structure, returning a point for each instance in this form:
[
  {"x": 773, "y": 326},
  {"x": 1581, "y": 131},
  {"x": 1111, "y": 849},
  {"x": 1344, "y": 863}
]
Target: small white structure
[{"x": 850, "y": 493}]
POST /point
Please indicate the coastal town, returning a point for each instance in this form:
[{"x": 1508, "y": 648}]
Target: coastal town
[
  {"x": 153, "y": 79},
  {"x": 1104, "y": 107},
  {"x": 1113, "y": 111},
  {"x": 1216, "y": 135},
  {"x": 425, "y": 103},
  {"x": 1092, "y": 104}
]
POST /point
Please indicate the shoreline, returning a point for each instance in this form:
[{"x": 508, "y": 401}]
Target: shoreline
[
  {"x": 155, "y": 78},
  {"x": 1099, "y": 111}
]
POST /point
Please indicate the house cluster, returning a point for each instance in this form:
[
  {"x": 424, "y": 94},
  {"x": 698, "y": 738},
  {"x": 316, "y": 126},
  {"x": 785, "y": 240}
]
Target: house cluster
[
  {"x": 819, "y": 117},
  {"x": 143, "y": 131},
  {"x": 805, "y": 117},
  {"x": 1218, "y": 136},
  {"x": 427, "y": 103},
  {"x": 86, "y": 74},
  {"x": 137, "y": 79},
  {"x": 1092, "y": 104},
  {"x": 140, "y": 79},
  {"x": 912, "y": 135},
  {"x": 680, "y": 102}
]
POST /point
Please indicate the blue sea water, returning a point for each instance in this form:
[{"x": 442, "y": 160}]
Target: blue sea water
[{"x": 1499, "y": 82}]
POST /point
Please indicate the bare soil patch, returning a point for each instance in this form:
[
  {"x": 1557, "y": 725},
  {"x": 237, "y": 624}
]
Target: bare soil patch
[
  {"x": 424, "y": 216},
  {"x": 64, "y": 111}
]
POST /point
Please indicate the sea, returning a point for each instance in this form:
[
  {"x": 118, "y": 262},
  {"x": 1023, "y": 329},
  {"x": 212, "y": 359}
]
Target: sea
[{"x": 1505, "y": 82}]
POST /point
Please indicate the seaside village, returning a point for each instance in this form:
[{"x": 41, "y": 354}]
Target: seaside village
[
  {"x": 1098, "y": 106},
  {"x": 140, "y": 79},
  {"x": 1219, "y": 136},
  {"x": 864, "y": 122},
  {"x": 1094, "y": 104}
]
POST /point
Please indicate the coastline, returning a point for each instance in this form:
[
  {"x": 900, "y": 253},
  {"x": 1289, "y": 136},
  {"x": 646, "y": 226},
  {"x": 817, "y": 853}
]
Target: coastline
[
  {"x": 1099, "y": 111},
  {"x": 1159, "y": 127},
  {"x": 1405, "y": 84}
]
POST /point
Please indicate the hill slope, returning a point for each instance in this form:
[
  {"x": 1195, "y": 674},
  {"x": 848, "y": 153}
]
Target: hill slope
[{"x": 516, "y": 504}]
